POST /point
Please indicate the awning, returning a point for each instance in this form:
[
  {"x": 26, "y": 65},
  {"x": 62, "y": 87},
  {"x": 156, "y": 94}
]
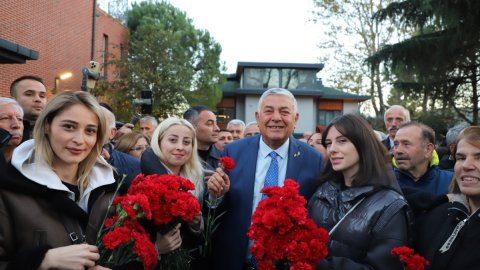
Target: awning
[{"x": 13, "y": 53}]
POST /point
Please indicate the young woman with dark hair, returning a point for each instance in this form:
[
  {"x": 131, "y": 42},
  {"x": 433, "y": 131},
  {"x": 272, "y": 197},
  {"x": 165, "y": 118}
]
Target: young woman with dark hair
[{"x": 358, "y": 199}]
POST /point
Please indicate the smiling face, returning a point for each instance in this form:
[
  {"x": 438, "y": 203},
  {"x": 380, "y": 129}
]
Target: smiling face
[
  {"x": 276, "y": 119},
  {"x": 467, "y": 169},
  {"x": 72, "y": 135},
  {"x": 176, "y": 146},
  {"x": 343, "y": 154}
]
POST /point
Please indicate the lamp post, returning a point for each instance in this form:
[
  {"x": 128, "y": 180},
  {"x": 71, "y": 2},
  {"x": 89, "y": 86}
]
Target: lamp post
[{"x": 61, "y": 77}]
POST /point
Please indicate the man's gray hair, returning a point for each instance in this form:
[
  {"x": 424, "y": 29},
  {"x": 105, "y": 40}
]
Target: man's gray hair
[
  {"x": 405, "y": 112},
  {"x": 278, "y": 91},
  {"x": 5, "y": 101},
  {"x": 149, "y": 118},
  {"x": 251, "y": 124},
  {"x": 236, "y": 122},
  {"x": 109, "y": 117},
  {"x": 452, "y": 133}
]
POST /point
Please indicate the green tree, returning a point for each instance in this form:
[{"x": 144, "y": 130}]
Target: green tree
[
  {"x": 441, "y": 61},
  {"x": 354, "y": 35},
  {"x": 168, "y": 55}
]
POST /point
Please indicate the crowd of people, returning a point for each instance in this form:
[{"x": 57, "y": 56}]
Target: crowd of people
[{"x": 62, "y": 161}]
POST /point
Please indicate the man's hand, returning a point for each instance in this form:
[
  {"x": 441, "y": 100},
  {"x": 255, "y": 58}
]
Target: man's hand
[{"x": 219, "y": 183}]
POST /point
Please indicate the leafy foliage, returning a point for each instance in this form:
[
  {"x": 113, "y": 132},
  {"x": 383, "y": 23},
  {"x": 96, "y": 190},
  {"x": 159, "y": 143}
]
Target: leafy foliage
[
  {"x": 443, "y": 57},
  {"x": 354, "y": 35},
  {"x": 169, "y": 56}
]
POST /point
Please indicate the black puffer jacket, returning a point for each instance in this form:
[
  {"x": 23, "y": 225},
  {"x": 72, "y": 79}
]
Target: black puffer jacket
[
  {"x": 462, "y": 253},
  {"x": 364, "y": 239}
]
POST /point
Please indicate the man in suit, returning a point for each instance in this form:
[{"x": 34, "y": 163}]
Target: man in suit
[
  {"x": 394, "y": 117},
  {"x": 240, "y": 190}
]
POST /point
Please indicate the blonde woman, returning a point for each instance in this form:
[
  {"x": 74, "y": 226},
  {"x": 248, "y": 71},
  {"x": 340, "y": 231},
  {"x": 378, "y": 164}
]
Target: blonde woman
[
  {"x": 174, "y": 151},
  {"x": 54, "y": 193}
]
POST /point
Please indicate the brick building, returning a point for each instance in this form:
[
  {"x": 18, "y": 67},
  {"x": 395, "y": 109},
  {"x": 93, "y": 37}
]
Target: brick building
[{"x": 61, "y": 32}]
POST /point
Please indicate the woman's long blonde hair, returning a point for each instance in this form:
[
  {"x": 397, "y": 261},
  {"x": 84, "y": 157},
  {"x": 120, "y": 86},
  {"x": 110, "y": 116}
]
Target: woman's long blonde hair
[
  {"x": 59, "y": 103},
  {"x": 192, "y": 169}
]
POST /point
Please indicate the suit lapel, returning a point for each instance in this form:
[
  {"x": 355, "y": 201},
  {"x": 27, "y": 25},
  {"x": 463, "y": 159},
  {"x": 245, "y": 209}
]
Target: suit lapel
[
  {"x": 295, "y": 158},
  {"x": 250, "y": 168}
]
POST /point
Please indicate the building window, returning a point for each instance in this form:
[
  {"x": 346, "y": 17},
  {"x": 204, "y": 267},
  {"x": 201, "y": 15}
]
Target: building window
[
  {"x": 105, "y": 55},
  {"x": 225, "y": 111},
  {"x": 327, "y": 110},
  {"x": 288, "y": 78},
  {"x": 325, "y": 117}
]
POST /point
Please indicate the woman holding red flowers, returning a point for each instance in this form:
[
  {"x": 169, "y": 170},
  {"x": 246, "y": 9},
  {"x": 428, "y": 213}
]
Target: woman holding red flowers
[
  {"x": 448, "y": 235},
  {"x": 54, "y": 193},
  {"x": 174, "y": 151},
  {"x": 358, "y": 199}
]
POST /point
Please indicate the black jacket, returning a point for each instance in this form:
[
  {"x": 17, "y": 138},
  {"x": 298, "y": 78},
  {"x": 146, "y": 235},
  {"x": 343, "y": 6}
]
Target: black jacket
[
  {"x": 364, "y": 239},
  {"x": 437, "y": 226},
  {"x": 35, "y": 218}
]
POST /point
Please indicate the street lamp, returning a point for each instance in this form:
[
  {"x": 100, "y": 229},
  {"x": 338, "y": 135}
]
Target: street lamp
[{"x": 61, "y": 77}]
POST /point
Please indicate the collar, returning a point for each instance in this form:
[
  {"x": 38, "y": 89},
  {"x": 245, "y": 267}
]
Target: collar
[{"x": 265, "y": 150}]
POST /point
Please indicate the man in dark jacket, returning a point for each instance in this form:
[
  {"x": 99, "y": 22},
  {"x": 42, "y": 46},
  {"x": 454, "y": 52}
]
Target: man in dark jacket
[
  {"x": 125, "y": 164},
  {"x": 205, "y": 123},
  {"x": 417, "y": 162}
]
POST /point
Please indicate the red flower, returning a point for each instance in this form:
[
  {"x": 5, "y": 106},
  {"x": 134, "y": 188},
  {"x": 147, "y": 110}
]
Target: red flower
[
  {"x": 164, "y": 200},
  {"x": 409, "y": 258},
  {"x": 116, "y": 237},
  {"x": 227, "y": 163},
  {"x": 282, "y": 231}
]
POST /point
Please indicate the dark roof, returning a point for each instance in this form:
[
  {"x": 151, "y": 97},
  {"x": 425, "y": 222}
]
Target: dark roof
[
  {"x": 13, "y": 53},
  {"x": 231, "y": 87},
  {"x": 242, "y": 65}
]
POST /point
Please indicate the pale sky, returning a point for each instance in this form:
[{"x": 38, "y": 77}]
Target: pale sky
[{"x": 256, "y": 30}]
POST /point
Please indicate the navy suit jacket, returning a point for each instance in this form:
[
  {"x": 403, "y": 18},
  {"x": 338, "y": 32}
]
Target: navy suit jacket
[
  {"x": 231, "y": 241},
  {"x": 386, "y": 142}
]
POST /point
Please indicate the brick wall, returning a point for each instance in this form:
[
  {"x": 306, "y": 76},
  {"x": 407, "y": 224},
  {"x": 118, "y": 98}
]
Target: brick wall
[{"x": 60, "y": 30}]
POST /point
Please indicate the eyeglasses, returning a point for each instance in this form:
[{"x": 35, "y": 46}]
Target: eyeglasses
[{"x": 140, "y": 148}]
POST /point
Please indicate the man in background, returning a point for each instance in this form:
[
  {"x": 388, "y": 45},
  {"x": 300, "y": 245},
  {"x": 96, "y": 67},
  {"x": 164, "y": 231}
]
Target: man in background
[
  {"x": 205, "y": 123},
  {"x": 417, "y": 162},
  {"x": 251, "y": 129},
  {"x": 394, "y": 117},
  {"x": 30, "y": 92},
  {"x": 237, "y": 128},
  {"x": 148, "y": 124},
  {"x": 224, "y": 137},
  {"x": 11, "y": 121},
  {"x": 125, "y": 164}
]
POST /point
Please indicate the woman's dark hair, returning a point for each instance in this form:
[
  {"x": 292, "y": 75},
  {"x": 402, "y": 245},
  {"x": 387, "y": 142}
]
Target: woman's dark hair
[{"x": 374, "y": 168}]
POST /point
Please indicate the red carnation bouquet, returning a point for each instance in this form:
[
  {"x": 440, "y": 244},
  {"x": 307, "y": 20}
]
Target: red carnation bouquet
[
  {"x": 163, "y": 201},
  {"x": 226, "y": 164},
  {"x": 282, "y": 231},
  {"x": 410, "y": 259}
]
